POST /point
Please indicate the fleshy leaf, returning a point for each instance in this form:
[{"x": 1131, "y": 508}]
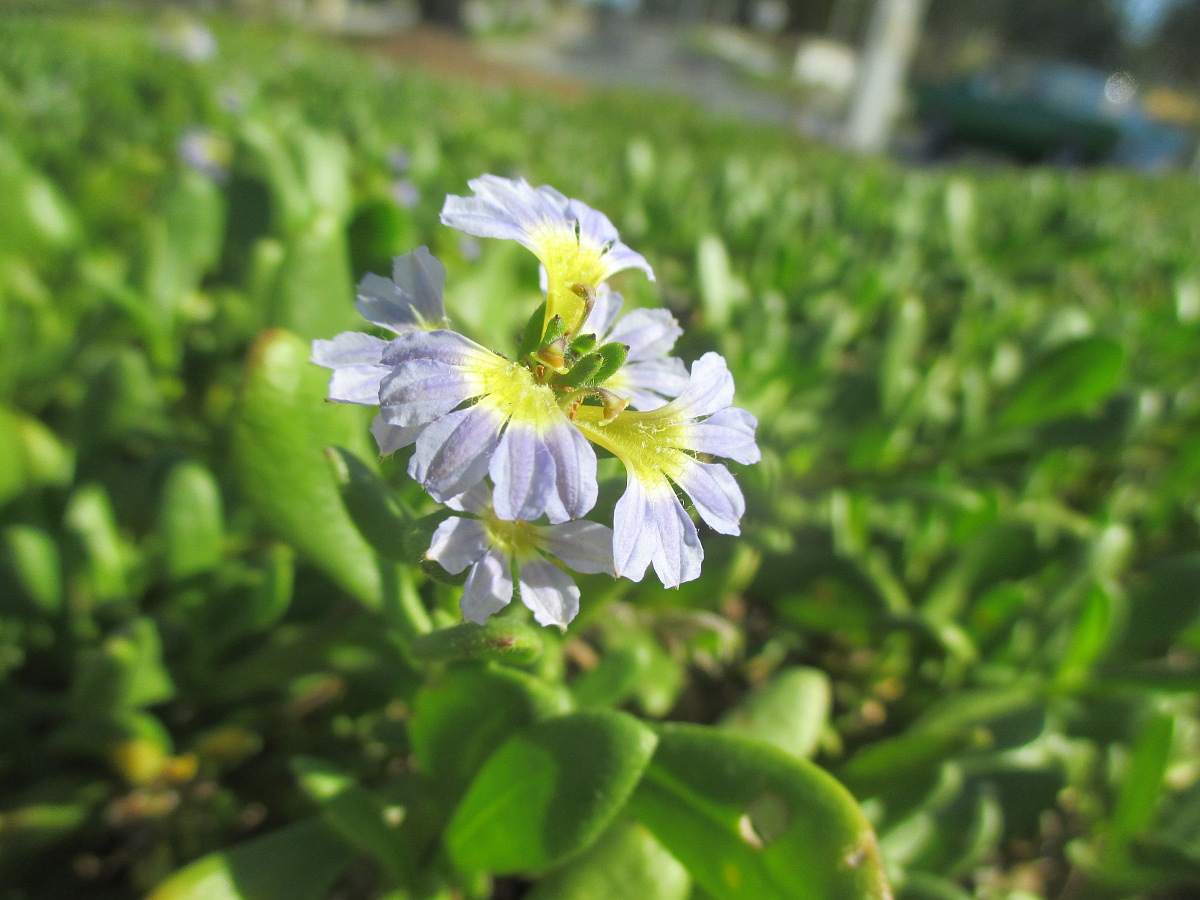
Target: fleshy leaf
[
  {"x": 789, "y": 711},
  {"x": 299, "y": 862},
  {"x": 280, "y": 433},
  {"x": 626, "y": 862},
  {"x": 549, "y": 791},
  {"x": 747, "y": 820}
]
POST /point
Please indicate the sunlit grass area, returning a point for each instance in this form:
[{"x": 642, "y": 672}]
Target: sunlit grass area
[{"x": 965, "y": 586}]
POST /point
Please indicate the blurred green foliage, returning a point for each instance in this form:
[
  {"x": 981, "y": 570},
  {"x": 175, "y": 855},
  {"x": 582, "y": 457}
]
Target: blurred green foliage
[{"x": 967, "y": 588}]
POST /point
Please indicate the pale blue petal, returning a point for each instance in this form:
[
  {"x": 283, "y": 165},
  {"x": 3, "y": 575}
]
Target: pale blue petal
[
  {"x": 594, "y": 226},
  {"x": 452, "y": 453},
  {"x": 411, "y": 300},
  {"x": 421, "y": 278},
  {"x": 651, "y": 525},
  {"x": 501, "y": 208},
  {"x": 523, "y": 472},
  {"x": 350, "y": 348},
  {"x": 477, "y": 499},
  {"x": 651, "y": 383},
  {"x": 649, "y": 333},
  {"x": 574, "y": 472},
  {"x": 619, "y": 258},
  {"x": 458, "y": 543},
  {"x": 679, "y": 554},
  {"x": 512, "y": 209},
  {"x": 488, "y": 589},
  {"x": 421, "y": 390},
  {"x": 716, "y": 495},
  {"x": 586, "y": 547},
  {"x": 356, "y": 384},
  {"x": 729, "y": 433},
  {"x": 709, "y": 389},
  {"x": 548, "y": 591},
  {"x": 604, "y": 313},
  {"x": 442, "y": 345},
  {"x": 391, "y": 438},
  {"x": 635, "y": 540}
]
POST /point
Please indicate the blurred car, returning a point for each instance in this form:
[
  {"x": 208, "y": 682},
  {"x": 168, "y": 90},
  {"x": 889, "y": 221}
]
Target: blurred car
[{"x": 1047, "y": 112}]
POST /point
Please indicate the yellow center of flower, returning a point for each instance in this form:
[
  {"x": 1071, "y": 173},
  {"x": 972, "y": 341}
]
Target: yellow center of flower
[
  {"x": 569, "y": 259},
  {"x": 517, "y": 539},
  {"x": 511, "y": 390},
  {"x": 646, "y": 442}
]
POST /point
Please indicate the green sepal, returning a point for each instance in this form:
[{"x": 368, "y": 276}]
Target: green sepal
[
  {"x": 555, "y": 329},
  {"x": 503, "y": 640},
  {"x": 585, "y": 343},
  {"x": 531, "y": 336},
  {"x": 614, "y": 356},
  {"x": 583, "y": 372}
]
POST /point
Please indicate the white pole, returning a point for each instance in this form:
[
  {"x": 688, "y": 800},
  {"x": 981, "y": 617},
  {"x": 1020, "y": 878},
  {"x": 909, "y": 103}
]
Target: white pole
[{"x": 891, "y": 41}]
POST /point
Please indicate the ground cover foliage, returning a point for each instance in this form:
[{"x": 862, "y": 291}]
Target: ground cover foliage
[{"x": 966, "y": 585}]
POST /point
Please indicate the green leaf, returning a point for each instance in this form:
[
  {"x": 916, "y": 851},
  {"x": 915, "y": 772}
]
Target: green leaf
[
  {"x": 549, "y": 791},
  {"x": 191, "y": 521},
  {"x": 720, "y": 291},
  {"x": 30, "y": 559},
  {"x": 377, "y": 512},
  {"x": 314, "y": 289},
  {"x": 298, "y": 862},
  {"x": 126, "y": 672},
  {"x": 747, "y": 820},
  {"x": 625, "y": 863},
  {"x": 281, "y": 429},
  {"x": 1070, "y": 379},
  {"x": 91, "y": 520},
  {"x": 356, "y": 814},
  {"x": 1142, "y": 785},
  {"x": 789, "y": 712},
  {"x": 464, "y": 713}
]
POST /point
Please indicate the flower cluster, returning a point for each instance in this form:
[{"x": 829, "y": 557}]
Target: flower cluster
[{"x": 510, "y": 440}]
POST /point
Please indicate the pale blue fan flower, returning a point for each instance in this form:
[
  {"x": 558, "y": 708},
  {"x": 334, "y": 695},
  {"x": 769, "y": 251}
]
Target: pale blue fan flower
[
  {"x": 658, "y": 448},
  {"x": 409, "y": 301},
  {"x": 576, "y": 244},
  {"x": 494, "y": 547},
  {"x": 514, "y": 428}
]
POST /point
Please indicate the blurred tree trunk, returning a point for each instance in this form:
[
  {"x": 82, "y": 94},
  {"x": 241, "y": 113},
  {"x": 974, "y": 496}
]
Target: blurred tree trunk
[{"x": 891, "y": 41}]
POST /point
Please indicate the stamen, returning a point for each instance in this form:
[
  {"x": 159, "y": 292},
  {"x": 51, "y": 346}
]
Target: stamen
[{"x": 613, "y": 405}]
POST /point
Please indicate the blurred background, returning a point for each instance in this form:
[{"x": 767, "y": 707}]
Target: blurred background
[
  {"x": 949, "y": 251},
  {"x": 1065, "y": 82}
]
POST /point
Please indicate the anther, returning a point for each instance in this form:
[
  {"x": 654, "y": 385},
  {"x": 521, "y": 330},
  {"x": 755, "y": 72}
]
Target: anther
[
  {"x": 552, "y": 356},
  {"x": 613, "y": 405}
]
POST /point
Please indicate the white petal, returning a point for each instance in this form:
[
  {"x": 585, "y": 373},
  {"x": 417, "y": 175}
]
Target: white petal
[
  {"x": 488, "y": 589},
  {"x": 458, "y": 543},
  {"x": 477, "y": 499},
  {"x": 709, "y": 389},
  {"x": 604, "y": 313},
  {"x": 717, "y": 496},
  {"x": 350, "y": 348},
  {"x": 650, "y": 333},
  {"x": 356, "y": 384},
  {"x": 586, "y": 547},
  {"x": 391, "y": 438},
  {"x": 729, "y": 433},
  {"x": 548, "y": 591},
  {"x": 452, "y": 453},
  {"x": 635, "y": 540}
]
